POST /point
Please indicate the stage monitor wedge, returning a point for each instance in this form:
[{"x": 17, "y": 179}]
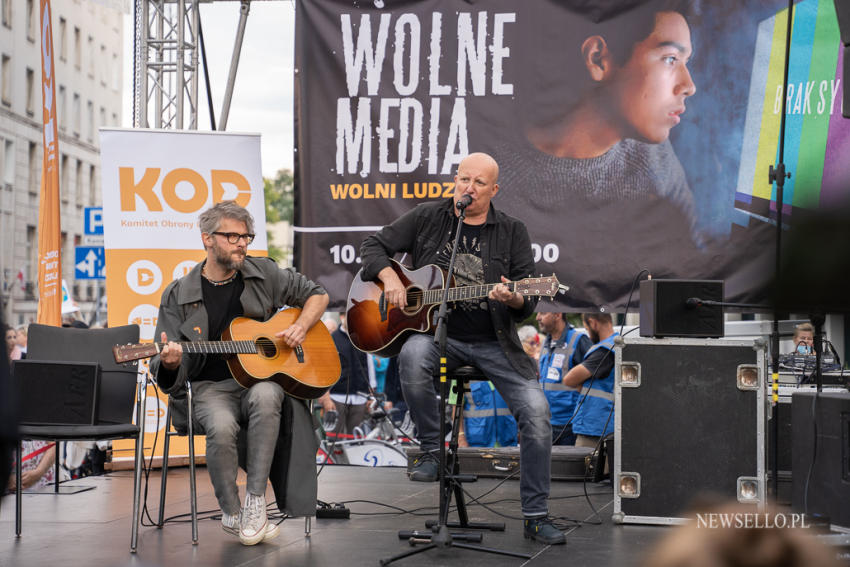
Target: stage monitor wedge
[{"x": 666, "y": 312}]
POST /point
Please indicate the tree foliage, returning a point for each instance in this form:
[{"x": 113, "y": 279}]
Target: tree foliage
[{"x": 279, "y": 196}]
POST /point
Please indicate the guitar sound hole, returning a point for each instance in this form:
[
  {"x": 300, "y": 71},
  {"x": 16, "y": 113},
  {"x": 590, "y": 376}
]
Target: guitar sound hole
[
  {"x": 414, "y": 300},
  {"x": 265, "y": 347}
]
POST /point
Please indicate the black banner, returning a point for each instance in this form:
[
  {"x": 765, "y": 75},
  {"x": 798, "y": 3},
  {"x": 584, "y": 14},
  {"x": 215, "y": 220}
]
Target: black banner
[{"x": 628, "y": 138}]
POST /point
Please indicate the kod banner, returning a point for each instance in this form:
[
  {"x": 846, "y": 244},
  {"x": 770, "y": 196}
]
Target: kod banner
[{"x": 155, "y": 185}]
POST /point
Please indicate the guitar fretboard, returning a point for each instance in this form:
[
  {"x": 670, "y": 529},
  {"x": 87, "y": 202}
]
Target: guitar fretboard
[
  {"x": 216, "y": 347},
  {"x": 463, "y": 292}
]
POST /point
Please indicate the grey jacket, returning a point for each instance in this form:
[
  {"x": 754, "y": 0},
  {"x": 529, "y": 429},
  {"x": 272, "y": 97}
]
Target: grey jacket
[
  {"x": 505, "y": 250},
  {"x": 183, "y": 318}
]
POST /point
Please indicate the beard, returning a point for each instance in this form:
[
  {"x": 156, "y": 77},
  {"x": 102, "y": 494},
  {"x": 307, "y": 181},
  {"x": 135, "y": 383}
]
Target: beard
[
  {"x": 594, "y": 336},
  {"x": 228, "y": 260}
]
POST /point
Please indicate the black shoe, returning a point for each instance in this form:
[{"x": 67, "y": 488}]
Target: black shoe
[
  {"x": 542, "y": 530},
  {"x": 425, "y": 468}
]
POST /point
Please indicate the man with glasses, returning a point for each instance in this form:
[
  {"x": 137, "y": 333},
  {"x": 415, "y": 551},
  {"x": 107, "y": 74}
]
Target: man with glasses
[{"x": 199, "y": 306}]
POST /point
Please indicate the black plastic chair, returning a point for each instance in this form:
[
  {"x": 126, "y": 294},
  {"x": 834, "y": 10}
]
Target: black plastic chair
[{"x": 110, "y": 410}]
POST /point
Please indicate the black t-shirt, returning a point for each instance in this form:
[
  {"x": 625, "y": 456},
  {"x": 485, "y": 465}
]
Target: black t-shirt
[
  {"x": 222, "y": 305},
  {"x": 470, "y": 319},
  {"x": 601, "y": 358}
]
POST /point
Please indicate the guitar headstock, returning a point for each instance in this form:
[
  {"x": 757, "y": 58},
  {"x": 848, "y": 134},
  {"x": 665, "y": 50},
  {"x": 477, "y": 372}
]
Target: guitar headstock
[
  {"x": 130, "y": 352},
  {"x": 544, "y": 286}
]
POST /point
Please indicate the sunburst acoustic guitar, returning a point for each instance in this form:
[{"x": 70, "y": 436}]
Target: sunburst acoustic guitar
[
  {"x": 379, "y": 327},
  {"x": 305, "y": 372}
]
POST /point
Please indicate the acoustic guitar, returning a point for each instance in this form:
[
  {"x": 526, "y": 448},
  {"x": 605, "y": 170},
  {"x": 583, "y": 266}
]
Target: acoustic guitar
[
  {"x": 305, "y": 372},
  {"x": 380, "y": 327}
]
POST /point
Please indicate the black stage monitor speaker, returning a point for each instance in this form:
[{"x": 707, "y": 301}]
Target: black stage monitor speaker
[
  {"x": 665, "y": 309},
  {"x": 821, "y": 477},
  {"x": 56, "y": 393}
]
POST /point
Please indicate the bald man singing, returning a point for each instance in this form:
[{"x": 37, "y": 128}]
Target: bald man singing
[{"x": 493, "y": 247}]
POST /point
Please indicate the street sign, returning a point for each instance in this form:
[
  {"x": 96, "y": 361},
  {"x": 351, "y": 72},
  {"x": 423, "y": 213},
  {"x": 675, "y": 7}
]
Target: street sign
[
  {"x": 93, "y": 221},
  {"x": 89, "y": 263},
  {"x": 93, "y": 240}
]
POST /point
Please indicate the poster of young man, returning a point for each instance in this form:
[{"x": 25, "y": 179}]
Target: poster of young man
[{"x": 628, "y": 137}]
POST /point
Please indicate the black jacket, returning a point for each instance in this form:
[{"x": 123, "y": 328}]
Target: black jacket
[{"x": 505, "y": 250}]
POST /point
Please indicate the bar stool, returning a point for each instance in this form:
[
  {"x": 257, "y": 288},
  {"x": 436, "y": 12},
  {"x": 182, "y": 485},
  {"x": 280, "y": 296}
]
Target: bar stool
[{"x": 460, "y": 379}]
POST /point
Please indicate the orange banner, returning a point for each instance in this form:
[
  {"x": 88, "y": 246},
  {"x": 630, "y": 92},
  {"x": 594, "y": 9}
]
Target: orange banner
[{"x": 49, "y": 230}]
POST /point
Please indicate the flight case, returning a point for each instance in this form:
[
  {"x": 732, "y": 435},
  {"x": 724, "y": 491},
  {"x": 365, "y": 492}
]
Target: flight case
[{"x": 689, "y": 422}]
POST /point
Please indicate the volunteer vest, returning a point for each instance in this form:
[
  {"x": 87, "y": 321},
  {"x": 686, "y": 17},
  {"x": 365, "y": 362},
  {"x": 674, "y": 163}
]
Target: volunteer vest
[
  {"x": 556, "y": 359},
  {"x": 594, "y": 411},
  {"x": 487, "y": 419}
]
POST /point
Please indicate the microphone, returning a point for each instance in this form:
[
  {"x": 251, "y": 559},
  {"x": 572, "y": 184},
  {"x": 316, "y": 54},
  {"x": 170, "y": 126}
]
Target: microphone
[
  {"x": 693, "y": 302},
  {"x": 464, "y": 202}
]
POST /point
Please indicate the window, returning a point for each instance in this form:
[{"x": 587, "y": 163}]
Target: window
[
  {"x": 63, "y": 243},
  {"x": 31, "y": 20},
  {"x": 8, "y": 162},
  {"x": 78, "y": 185},
  {"x": 30, "y": 92},
  {"x": 78, "y": 48},
  {"x": 104, "y": 70},
  {"x": 114, "y": 119},
  {"x": 63, "y": 39},
  {"x": 32, "y": 168},
  {"x": 116, "y": 73},
  {"x": 90, "y": 116},
  {"x": 92, "y": 187},
  {"x": 63, "y": 179},
  {"x": 7, "y": 13},
  {"x": 6, "y": 70},
  {"x": 90, "y": 55},
  {"x": 102, "y": 122},
  {"x": 75, "y": 115},
  {"x": 62, "y": 108},
  {"x": 32, "y": 245}
]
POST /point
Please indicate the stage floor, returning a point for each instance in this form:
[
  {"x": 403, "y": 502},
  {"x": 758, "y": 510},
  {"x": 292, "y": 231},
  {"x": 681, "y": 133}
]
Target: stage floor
[{"x": 93, "y": 528}]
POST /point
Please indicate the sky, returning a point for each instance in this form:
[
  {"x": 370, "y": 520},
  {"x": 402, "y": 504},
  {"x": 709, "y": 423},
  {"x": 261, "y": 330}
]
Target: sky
[{"x": 263, "y": 93}]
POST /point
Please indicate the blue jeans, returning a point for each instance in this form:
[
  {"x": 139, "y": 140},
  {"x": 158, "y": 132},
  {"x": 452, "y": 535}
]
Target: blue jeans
[
  {"x": 418, "y": 366},
  {"x": 222, "y": 409}
]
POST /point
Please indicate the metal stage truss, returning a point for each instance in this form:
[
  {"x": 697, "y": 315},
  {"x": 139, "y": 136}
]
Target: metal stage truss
[{"x": 167, "y": 44}]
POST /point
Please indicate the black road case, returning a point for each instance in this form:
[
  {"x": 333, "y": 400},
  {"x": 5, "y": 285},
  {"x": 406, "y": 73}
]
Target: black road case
[{"x": 689, "y": 422}]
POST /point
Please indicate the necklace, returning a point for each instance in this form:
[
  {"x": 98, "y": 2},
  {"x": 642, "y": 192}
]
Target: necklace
[{"x": 219, "y": 282}]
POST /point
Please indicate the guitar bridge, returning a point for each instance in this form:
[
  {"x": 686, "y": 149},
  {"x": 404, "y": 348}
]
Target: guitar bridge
[{"x": 299, "y": 354}]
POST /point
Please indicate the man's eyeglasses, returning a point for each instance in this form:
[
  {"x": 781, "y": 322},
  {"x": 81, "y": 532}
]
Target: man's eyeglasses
[{"x": 233, "y": 237}]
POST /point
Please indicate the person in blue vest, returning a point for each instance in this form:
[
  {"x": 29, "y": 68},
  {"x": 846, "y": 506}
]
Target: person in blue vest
[
  {"x": 594, "y": 416},
  {"x": 563, "y": 347},
  {"x": 487, "y": 420}
]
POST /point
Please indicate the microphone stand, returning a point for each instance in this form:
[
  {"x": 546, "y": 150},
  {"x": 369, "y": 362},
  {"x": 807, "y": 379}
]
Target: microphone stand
[
  {"x": 778, "y": 176},
  {"x": 441, "y": 537},
  {"x": 818, "y": 319}
]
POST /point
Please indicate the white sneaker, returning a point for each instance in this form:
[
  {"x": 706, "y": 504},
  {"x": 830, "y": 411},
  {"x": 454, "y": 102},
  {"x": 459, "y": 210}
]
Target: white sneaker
[
  {"x": 230, "y": 523},
  {"x": 254, "y": 526}
]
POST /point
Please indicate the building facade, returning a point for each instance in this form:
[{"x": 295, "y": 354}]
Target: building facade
[{"x": 88, "y": 43}]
